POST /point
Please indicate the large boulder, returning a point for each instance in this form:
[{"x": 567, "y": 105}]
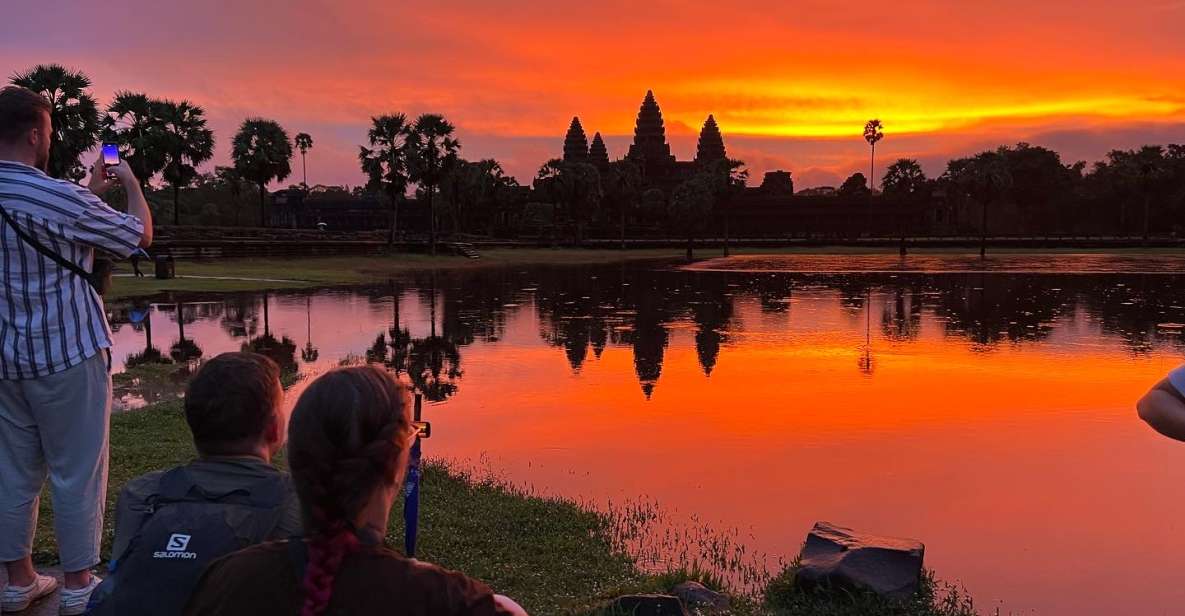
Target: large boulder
[
  {"x": 700, "y": 599},
  {"x": 840, "y": 557},
  {"x": 648, "y": 605}
]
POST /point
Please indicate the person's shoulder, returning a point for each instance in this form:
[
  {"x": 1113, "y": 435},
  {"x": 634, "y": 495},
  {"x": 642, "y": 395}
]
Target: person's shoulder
[
  {"x": 45, "y": 187},
  {"x": 264, "y": 555},
  {"x": 427, "y": 576},
  {"x": 141, "y": 487}
]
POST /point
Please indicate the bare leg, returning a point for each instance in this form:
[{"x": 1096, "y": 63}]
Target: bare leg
[{"x": 21, "y": 572}]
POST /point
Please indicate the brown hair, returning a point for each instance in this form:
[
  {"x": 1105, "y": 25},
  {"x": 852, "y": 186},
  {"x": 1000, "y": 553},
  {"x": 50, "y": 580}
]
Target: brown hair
[
  {"x": 345, "y": 440},
  {"x": 20, "y": 111},
  {"x": 230, "y": 401}
]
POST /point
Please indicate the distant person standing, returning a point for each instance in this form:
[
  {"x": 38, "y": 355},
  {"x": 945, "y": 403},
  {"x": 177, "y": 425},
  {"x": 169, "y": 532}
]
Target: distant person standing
[
  {"x": 138, "y": 254},
  {"x": 55, "y": 390},
  {"x": 1163, "y": 407}
]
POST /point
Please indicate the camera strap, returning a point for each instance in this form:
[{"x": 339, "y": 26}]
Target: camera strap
[{"x": 39, "y": 247}]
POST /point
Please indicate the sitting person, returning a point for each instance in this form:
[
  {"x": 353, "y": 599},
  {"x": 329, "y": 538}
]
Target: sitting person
[
  {"x": 1163, "y": 407},
  {"x": 348, "y": 449},
  {"x": 169, "y": 524}
]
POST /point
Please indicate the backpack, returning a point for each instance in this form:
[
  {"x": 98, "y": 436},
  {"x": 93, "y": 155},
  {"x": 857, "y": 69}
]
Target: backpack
[{"x": 188, "y": 528}]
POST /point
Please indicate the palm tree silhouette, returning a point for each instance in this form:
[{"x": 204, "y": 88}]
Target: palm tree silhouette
[
  {"x": 304, "y": 143},
  {"x": 873, "y": 132},
  {"x": 433, "y": 153},
  {"x": 74, "y": 114},
  {"x": 187, "y": 143},
  {"x": 385, "y": 161}
]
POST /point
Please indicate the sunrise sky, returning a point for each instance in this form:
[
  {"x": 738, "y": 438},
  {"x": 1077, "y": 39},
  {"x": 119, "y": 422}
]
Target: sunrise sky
[{"x": 791, "y": 83}]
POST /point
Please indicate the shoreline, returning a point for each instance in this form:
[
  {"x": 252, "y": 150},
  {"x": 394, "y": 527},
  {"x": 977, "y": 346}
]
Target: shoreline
[{"x": 273, "y": 273}]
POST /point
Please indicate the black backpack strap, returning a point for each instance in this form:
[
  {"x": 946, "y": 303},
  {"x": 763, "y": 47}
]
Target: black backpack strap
[
  {"x": 298, "y": 553},
  {"x": 39, "y": 247}
]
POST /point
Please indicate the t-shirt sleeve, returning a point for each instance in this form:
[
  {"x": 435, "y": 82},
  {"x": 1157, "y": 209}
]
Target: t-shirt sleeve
[{"x": 101, "y": 227}]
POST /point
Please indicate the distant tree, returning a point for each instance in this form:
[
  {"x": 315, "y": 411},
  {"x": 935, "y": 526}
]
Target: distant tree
[
  {"x": 75, "y": 116},
  {"x": 575, "y": 188},
  {"x": 432, "y": 152},
  {"x": 133, "y": 122},
  {"x": 261, "y": 154},
  {"x": 904, "y": 182},
  {"x": 622, "y": 186},
  {"x": 986, "y": 179},
  {"x": 385, "y": 162},
  {"x": 304, "y": 143},
  {"x": 726, "y": 178},
  {"x": 873, "y": 132},
  {"x": 856, "y": 185},
  {"x": 185, "y": 143},
  {"x": 903, "y": 179},
  {"x": 654, "y": 203},
  {"x": 229, "y": 179},
  {"x": 690, "y": 208}
]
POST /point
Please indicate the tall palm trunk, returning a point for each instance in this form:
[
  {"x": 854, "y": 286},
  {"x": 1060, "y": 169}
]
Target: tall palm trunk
[
  {"x": 304, "y": 171},
  {"x": 262, "y": 211},
  {"x": 983, "y": 229},
  {"x": 431, "y": 221},
  {"x": 176, "y": 204},
  {"x": 394, "y": 219},
  {"x": 1147, "y": 216}
]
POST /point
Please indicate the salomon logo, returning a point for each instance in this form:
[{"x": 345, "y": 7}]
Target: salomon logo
[{"x": 175, "y": 548}]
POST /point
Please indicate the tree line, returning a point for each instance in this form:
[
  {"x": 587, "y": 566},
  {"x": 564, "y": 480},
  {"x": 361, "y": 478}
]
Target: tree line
[{"x": 1130, "y": 191}]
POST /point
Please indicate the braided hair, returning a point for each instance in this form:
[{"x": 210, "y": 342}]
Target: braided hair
[{"x": 345, "y": 440}]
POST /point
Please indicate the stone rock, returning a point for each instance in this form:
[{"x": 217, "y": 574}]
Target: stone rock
[
  {"x": 648, "y": 605},
  {"x": 844, "y": 558},
  {"x": 698, "y": 598}
]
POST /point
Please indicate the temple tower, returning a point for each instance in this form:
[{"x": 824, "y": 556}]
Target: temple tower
[
  {"x": 711, "y": 145},
  {"x": 575, "y": 143},
  {"x": 650, "y": 137},
  {"x": 598, "y": 154}
]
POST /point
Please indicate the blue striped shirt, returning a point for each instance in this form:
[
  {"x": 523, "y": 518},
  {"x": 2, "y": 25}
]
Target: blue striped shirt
[{"x": 50, "y": 318}]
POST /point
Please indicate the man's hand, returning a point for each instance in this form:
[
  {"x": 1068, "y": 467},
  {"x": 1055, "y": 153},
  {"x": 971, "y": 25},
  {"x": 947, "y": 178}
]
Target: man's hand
[{"x": 99, "y": 182}]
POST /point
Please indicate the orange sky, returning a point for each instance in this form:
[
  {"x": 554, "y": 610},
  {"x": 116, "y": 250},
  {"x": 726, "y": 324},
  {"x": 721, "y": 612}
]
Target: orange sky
[{"x": 790, "y": 83}]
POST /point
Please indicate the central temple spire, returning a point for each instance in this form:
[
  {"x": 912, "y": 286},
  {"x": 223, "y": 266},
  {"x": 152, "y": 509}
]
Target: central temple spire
[{"x": 650, "y": 136}]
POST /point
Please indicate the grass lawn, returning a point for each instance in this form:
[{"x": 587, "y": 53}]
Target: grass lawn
[{"x": 287, "y": 273}]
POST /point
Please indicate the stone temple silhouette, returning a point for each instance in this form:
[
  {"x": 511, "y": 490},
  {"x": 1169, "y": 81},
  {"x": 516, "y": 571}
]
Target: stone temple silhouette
[{"x": 650, "y": 150}]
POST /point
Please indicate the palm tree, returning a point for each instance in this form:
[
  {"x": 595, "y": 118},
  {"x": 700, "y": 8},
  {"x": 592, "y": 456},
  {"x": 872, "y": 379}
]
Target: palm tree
[
  {"x": 74, "y": 113},
  {"x": 132, "y": 121},
  {"x": 873, "y": 132},
  {"x": 726, "y": 178},
  {"x": 986, "y": 178},
  {"x": 691, "y": 204},
  {"x": 187, "y": 143},
  {"x": 304, "y": 143},
  {"x": 432, "y": 152},
  {"x": 622, "y": 186},
  {"x": 903, "y": 183},
  {"x": 385, "y": 161},
  {"x": 261, "y": 153}
]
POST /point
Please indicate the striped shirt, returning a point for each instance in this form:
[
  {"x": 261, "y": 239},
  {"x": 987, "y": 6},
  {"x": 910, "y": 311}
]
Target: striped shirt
[{"x": 50, "y": 318}]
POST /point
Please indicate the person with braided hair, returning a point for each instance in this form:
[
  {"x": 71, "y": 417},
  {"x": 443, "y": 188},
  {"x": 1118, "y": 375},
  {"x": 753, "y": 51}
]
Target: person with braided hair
[{"x": 348, "y": 446}]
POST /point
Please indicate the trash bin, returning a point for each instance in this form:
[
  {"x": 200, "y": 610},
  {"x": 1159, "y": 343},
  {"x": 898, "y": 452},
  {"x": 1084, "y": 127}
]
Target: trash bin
[{"x": 165, "y": 268}]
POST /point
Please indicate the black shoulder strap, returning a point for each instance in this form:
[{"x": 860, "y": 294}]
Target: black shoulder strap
[
  {"x": 39, "y": 247},
  {"x": 298, "y": 553}
]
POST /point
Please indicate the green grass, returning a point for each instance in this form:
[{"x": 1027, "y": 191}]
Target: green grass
[
  {"x": 287, "y": 273},
  {"x": 934, "y": 598}
]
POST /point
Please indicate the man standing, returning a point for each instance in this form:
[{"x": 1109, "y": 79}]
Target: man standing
[{"x": 55, "y": 390}]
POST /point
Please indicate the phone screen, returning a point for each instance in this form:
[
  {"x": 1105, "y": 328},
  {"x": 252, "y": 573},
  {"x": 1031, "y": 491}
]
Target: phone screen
[{"x": 110, "y": 154}]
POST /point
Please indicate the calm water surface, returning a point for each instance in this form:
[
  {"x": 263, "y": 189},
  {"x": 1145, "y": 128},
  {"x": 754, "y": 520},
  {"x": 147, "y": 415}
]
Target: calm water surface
[{"x": 987, "y": 413}]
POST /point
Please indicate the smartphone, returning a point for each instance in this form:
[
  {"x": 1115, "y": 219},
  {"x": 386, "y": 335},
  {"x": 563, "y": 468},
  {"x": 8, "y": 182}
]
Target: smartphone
[
  {"x": 423, "y": 429},
  {"x": 110, "y": 156}
]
